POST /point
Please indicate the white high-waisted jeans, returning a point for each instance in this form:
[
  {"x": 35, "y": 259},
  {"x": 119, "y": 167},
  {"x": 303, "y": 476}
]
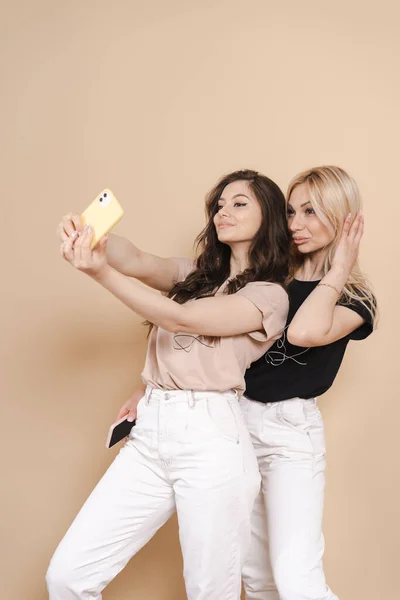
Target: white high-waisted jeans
[
  {"x": 285, "y": 558},
  {"x": 189, "y": 452}
]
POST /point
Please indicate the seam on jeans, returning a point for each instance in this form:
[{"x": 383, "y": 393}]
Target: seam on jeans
[
  {"x": 230, "y": 404},
  {"x": 244, "y": 404},
  {"x": 314, "y": 468},
  {"x": 235, "y": 568},
  {"x": 310, "y": 504},
  {"x": 140, "y": 403},
  {"x": 234, "y": 439}
]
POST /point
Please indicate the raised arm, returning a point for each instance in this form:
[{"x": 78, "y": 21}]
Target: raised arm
[
  {"x": 217, "y": 316},
  {"x": 327, "y": 325},
  {"x": 156, "y": 272},
  {"x": 319, "y": 320}
]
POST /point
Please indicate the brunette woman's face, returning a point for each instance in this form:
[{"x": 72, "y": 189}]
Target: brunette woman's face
[
  {"x": 309, "y": 234},
  {"x": 239, "y": 214}
]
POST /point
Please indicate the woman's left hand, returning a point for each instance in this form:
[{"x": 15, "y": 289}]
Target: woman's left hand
[
  {"x": 77, "y": 251},
  {"x": 347, "y": 250}
]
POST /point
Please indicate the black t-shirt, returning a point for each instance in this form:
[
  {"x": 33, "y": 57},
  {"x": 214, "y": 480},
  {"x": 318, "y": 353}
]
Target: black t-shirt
[{"x": 288, "y": 371}]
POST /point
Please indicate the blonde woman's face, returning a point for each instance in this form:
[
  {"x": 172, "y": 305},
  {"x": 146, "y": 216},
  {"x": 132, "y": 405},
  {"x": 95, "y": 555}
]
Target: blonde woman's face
[{"x": 309, "y": 234}]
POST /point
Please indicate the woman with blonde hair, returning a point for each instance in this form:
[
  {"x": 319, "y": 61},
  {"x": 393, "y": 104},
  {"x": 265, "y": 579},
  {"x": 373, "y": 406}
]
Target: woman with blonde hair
[{"x": 330, "y": 303}]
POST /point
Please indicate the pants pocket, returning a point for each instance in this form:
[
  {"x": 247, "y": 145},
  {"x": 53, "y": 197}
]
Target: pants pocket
[
  {"x": 299, "y": 414},
  {"x": 223, "y": 417}
]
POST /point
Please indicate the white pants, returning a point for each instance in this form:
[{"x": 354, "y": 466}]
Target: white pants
[
  {"x": 285, "y": 558},
  {"x": 189, "y": 452}
]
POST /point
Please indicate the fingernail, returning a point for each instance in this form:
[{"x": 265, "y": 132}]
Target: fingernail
[
  {"x": 130, "y": 419},
  {"x": 89, "y": 229},
  {"x": 74, "y": 234}
]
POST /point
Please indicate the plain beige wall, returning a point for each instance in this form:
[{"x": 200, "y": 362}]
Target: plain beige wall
[{"x": 156, "y": 100}]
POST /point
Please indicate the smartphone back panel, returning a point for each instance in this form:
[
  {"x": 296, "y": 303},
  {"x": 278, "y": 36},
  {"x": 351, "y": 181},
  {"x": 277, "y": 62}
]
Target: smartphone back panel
[{"x": 102, "y": 215}]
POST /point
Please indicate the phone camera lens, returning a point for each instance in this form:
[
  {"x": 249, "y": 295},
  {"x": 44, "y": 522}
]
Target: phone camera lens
[{"x": 105, "y": 194}]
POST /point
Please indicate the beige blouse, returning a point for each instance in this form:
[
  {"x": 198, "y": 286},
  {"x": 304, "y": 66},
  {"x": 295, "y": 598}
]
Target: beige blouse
[{"x": 190, "y": 362}]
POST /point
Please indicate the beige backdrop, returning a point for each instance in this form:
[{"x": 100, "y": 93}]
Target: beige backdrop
[{"x": 156, "y": 100}]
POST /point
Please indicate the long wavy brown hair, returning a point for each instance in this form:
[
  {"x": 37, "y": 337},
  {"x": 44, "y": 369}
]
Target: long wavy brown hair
[{"x": 268, "y": 256}]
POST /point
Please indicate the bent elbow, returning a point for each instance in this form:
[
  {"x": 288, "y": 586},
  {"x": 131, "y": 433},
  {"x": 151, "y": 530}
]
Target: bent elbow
[
  {"x": 298, "y": 337},
  {"x": 305, "y": 338},
  {"x": 183, "y": 321},
  {"x": 175, "y": 325},
  {"x": 177, "y": 321},
  {"x": 171, "y": 326}
]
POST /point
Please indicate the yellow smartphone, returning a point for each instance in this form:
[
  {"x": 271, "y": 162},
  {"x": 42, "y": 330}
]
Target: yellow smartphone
[{"x": 102, "y": 215}]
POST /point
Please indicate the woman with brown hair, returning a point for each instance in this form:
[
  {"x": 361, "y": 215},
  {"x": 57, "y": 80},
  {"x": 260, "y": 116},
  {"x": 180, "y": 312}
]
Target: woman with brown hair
[{"x": 189, "y": 450}]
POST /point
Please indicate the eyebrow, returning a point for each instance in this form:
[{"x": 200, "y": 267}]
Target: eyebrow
[
  {"x": 235, "y": 196},
  {"x": 301, "y": 205}
]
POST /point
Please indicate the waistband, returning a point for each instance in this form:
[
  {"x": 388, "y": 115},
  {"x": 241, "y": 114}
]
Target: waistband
[
  {"x": 190, "y": 396},
  {"x": 276, "y": 402}
]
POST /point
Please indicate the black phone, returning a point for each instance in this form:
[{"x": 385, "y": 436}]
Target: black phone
[{"x": 118, "y": 431}]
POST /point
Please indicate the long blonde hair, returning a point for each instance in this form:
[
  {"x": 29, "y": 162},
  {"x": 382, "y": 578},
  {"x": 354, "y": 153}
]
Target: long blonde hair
[{"x": 333, "y": 195}]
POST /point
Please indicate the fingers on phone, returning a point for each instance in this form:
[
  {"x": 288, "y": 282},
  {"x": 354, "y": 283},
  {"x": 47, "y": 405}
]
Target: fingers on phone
[
  {"x": 76, "y": 220},
  {"x": 122, "y": 413},
  {"x": 67, "y": 249}
]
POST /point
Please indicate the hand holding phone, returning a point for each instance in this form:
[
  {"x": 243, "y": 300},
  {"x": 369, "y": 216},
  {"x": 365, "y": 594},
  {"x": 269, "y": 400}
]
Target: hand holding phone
[
  {"x": 122, "y": 427},
  {"x": 118, "y": 431},
  {"x": 102, "y": 215}
]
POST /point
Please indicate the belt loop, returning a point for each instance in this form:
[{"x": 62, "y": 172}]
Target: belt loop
[
  {"x": 148, "y": 395},
  {"x": 191, "y": 399}
]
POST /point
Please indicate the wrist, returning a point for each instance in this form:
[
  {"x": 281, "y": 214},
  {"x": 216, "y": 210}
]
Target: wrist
[
  {"x": 102, "y": 274},
  {"x": 339, "y": 272},
  {"x": 332, "y": 287}
]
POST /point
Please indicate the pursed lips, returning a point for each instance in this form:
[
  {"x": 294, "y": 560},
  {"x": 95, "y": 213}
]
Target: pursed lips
[
  {"x": 300, "y": 240},
  {"x": 220, "y": 225}
]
